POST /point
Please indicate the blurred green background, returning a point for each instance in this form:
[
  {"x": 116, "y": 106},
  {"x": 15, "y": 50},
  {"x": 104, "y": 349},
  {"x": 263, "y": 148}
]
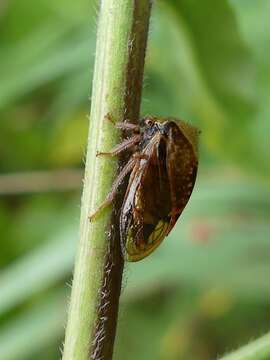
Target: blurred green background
[{"x": 206, "y": 290}]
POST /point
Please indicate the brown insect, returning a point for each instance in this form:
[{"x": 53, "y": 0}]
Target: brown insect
[{"x": 162, "y": 170}]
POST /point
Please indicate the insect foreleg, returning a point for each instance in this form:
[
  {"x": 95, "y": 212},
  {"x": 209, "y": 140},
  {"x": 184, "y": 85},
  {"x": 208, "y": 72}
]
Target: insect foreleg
[
  {"x": 127, "y": 126},
  {"x": 110, "y": 197},
  {"x": 124, "y": 145},
  {"x": 123, "y": 125}
]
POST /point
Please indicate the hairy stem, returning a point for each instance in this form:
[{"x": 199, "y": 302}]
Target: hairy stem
[
  {"x": 257, "y": 350},
  {"x": 117, "y": 85}
]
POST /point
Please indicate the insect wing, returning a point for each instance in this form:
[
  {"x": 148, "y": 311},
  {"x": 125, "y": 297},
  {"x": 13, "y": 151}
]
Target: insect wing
[
  {"x": 145, "y": 216},
  {"x": 181, "y": 161}
]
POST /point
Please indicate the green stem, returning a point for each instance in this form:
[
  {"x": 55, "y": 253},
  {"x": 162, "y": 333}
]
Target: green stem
[
  {"x": 257, "y": 350},
  {"x": 117, "y": 85}
]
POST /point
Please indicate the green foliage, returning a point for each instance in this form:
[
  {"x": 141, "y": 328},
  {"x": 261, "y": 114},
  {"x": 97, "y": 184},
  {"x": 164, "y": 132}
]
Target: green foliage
[{"x": 206, "y": 289}]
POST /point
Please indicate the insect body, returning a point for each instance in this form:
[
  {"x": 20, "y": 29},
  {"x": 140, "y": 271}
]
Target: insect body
[{"x": 162, "y": 172}]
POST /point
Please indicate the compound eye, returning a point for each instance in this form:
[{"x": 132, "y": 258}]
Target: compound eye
[{"x": 149, "y": 122}]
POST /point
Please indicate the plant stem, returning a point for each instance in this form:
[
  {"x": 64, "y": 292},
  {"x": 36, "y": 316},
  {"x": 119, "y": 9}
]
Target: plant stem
[
  {"x": 117, "y": 85},
  {"x": 257, "y": 350}
]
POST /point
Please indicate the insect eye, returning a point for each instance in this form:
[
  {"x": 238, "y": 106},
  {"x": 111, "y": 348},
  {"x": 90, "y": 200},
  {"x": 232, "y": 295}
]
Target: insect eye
[{"x": 149, "y": 122}]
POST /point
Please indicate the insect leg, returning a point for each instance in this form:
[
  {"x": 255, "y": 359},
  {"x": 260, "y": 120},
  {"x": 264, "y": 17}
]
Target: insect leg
[
  {"x": 123, "y": 125},
  {"x": 110, "y": 197},
  {"x": 126, "y": 144},
  {"x": 127, "y": 126}
]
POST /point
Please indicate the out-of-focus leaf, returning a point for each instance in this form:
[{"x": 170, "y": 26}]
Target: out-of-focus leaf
[
  {"x": 37, "y": 271},
  {"x": 185, "y": 324},
  {"x": 223, "y": 57},
  {"x": 49, "y": 41},
  {"x": 63, "y": 59},
  {"x": 255, "y": 27},
  {"x": 66, "y": 13},
  {"x": 73, "y": 138},
  {"x": 182, "y": 80},
  {"x": 233, "y": 260},
  {"x": 72, "y": 95},
  {"x": 34, "y": 329}
]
